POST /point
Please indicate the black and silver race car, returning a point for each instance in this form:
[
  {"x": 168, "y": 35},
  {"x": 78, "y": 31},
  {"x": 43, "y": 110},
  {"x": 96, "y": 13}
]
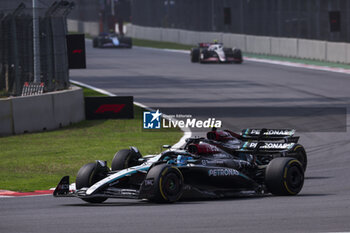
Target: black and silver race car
[
  {"x": 265, "y": 144},
  {"x": 201, "y": 171},
  {"x": 111, "y": 40},
  {"x": 215, "y": 53}
]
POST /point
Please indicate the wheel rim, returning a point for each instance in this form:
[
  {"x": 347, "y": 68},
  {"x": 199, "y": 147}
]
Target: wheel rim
[{"x": 171, "y": 185}]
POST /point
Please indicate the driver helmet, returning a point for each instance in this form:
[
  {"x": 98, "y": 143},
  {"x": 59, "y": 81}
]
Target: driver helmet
[{"x": 182, "y": 160}]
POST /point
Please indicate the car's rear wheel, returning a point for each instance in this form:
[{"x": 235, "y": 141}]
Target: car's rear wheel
[
  {"x": 168, "y": 183},
  {"x": 300, "y": 154},
  {"x": 125, "y": 158},
  {"x": 86, "y": 177},
  {"x": 284, "y": 176},
  {"x": 195, "y": 53}
]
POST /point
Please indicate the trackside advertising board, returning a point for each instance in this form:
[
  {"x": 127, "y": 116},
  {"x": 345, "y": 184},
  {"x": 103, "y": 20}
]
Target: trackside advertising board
[
  {"x": 76, "y": 51},
  {"x": 118, "y": 107}
]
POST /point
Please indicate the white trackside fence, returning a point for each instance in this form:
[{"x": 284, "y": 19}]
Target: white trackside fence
[{"x": 288, "y": 47}]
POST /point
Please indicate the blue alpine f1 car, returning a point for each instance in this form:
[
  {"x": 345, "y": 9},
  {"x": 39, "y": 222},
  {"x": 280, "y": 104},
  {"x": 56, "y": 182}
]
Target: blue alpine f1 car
[{"x": 111, "y": 40}]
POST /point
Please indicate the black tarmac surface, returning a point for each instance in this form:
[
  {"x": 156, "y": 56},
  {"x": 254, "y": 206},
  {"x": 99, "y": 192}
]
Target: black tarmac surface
[{"x": 165, "y": 79}]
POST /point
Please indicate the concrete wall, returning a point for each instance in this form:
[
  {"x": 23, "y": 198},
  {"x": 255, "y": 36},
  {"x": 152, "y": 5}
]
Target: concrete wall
[
  {"x": 288, "y": 47},
  {"x": 312, "y": 49},
  {"x": 284, "y": 46},
  {"x": 91, "y": 28},
  {"x": 42, "y": 112}
]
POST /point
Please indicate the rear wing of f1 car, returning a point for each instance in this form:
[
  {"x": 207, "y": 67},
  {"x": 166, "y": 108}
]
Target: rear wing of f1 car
[
  {"x": 269, "y": 135},
  {"x": 267, "y": 147}
]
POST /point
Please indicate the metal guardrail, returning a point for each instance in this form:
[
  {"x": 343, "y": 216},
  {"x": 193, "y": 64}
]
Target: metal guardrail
[{"x": 16, "y": 48}]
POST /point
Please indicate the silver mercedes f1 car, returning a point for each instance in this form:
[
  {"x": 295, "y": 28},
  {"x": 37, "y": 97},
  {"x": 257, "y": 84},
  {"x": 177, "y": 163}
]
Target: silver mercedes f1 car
[{"x": 201, "y": 169}]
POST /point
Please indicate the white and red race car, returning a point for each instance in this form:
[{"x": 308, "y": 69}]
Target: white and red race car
[{"x": 215, "y": 53}]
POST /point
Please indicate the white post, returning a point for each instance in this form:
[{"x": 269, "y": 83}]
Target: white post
[{"x": 36, "y": 44}]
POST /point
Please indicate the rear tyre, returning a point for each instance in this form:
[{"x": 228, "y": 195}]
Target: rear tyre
[
  {"x": 124, "y": 159},
  {"x": 168, "y": 183},
  {"x": 301, "y": 155},
  {"x": 284, "y": 176},
  {"x": 195, "y": 53},
  {"x": 87, "y": 176}
]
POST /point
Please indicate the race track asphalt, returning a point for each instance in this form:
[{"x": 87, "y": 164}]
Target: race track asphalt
[{"x": 165, "y": 79}]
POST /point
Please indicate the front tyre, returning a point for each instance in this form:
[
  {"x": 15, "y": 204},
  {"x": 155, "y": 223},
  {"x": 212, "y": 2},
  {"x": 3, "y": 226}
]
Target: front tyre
[
  {"x": 127, "y": 41},
  {"x": 237, "y": 55},
  {"x": 86, "y": 177},
  {"x": 168, "y": 183},
  {"x": 284, "y": 176},
  {"x": 124, "y": 159},
  {"x": 95, "y": 43}
]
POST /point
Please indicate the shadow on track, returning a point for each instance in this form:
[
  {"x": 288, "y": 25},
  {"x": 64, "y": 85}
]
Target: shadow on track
[
  {"x": 318, "y": 177},
  {"x": 136, "y": 203},
  {"x": 185, "y": 201}
]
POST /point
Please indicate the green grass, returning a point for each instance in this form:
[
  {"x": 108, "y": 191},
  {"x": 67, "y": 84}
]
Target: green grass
[
  {"x": 298, "y": 60},
  {"x": 159, "y": 44},
  {"x": 90, "y": 93},
  {"x": 3, "y": 94},
  {"x": 38, "y": 161}
]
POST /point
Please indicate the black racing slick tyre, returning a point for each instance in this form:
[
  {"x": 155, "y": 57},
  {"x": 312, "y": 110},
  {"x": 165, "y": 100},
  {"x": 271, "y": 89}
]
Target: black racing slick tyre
[
  {"x": 125, "y": 158},
  {"x": 284, "y": 176},
  {"x": 195, "y": 53},
  {"x": 86, "y": 177},
  {"x": 94, "y": 43},
  {"x": 237, "y": 55},
  {"x": 300, "y": 154},
  {"x": 127, "y": 41},
  {"x": 168, "y": 183}
]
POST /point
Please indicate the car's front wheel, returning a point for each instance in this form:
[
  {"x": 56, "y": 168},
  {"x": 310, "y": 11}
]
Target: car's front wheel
[
  {"x": 125, "y": 158},
  {"x": 88, "y": 175},
  {"x": 95, "y": 43},
  {"x": 237, "y": 55},
  {"x": 168, "y": 183}
]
